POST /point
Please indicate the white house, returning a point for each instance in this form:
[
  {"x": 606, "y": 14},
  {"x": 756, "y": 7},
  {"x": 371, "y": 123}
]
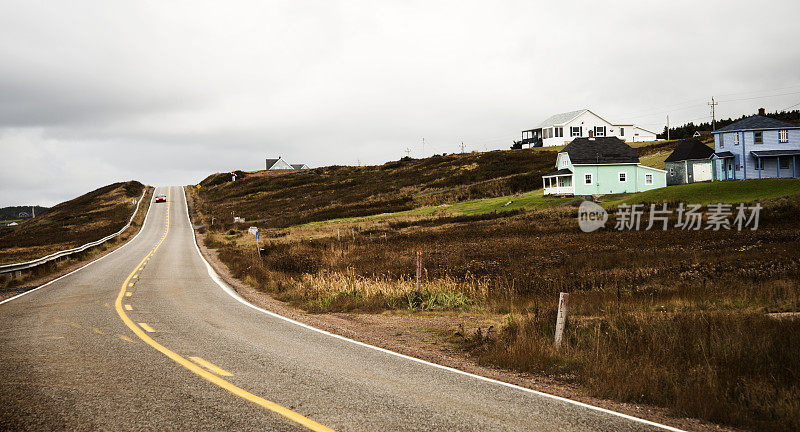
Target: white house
[
  {"x": 278, "y": 164},
  {"x": 561, "y": 129}
]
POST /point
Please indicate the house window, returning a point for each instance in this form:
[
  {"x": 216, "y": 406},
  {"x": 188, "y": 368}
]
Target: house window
[
  {"x": 622, "y": 131},
  {"x": 587, "y": 179},
  {"x": 623, "y": 177},
  {"x": 736, "y": 138},
  {"x": 560, "y": 132},
  {"x": 758, "y": 137},
  {"x": 671, "y": 171},
  {"x": 784, "y": 163},
  {"x": 721, "y": 141},
  {"x": 648, "y": 179},
  {"x": 599, "y": 131},
  {"x": 783, "y": 136},
  {"x": 575, "y": 131}
]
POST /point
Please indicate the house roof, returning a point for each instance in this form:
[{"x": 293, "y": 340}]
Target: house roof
[
  {"x": 773, "y": 153},
  {"x": 723, "y": 155},
  {"x": 272, "y": 162},
  {"x": 690, "y": 149},
  {"x": 601, "y": 150},
  {"x": 299, "y": 166},
  {"x": 646, "y": 130},
  {"x": 756, "y": 122},
  {"x": 562, "y": 171},
  {"x": 562, "y": 118}
]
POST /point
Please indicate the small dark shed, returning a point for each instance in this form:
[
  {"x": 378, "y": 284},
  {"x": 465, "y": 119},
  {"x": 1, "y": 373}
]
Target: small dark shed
[{"x": 689, "y": 163}]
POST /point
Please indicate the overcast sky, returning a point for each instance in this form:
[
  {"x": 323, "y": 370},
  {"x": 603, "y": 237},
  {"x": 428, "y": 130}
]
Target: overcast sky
[{"x": 169, "y": 92}]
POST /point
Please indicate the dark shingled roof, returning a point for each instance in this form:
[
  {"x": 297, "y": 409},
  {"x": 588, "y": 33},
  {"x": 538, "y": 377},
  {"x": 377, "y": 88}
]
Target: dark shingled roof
[
  {"x": 271, "y": 162},
  {"x": 690, "y": 149},
  {"x": 602, "y": 150},
  {"x": 756, "y": 122},
  {"x": 724, "y": 154},
  {"x": 562, "y": 171}
]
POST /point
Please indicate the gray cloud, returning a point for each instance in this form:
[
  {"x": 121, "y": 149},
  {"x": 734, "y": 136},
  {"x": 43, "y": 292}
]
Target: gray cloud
[{"x": 95, "y": 92}]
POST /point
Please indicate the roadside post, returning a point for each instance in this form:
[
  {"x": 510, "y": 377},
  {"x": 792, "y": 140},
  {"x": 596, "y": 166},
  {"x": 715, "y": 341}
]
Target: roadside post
[
  {"x": 561, "y": 319},
  {"x": 419, "y": 268}
]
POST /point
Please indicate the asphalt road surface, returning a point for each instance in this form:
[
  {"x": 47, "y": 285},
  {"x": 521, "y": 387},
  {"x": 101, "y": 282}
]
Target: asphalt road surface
[{"x": 145, "y": 339}]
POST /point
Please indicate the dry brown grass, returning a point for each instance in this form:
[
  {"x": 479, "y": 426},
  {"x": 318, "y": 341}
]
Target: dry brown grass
[{"x": 675, "y": 318}]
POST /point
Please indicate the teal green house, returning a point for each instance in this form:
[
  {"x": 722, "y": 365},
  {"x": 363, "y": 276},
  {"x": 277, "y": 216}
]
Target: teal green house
[{"x": 599, "y": 166}]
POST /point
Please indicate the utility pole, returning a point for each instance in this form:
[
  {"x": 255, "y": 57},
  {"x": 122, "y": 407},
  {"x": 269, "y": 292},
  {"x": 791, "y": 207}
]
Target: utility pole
[
  {"x": 33, "y": 212},
  {"x": 462, "y": 146},
  {"x": 667, "y": 127},
  {"x": 713, "y": 113}
]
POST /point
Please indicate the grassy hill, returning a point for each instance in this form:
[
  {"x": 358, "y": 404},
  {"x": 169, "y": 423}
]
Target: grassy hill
[
  {"x": 72, "y": 223},
  {"x": 335, "y": 192}
]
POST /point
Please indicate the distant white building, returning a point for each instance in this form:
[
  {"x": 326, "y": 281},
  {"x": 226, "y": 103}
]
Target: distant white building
[
  {"x": 278, "y": 164},
  {"x": 300, "y": 166},
  {"x": 561, "y": 129}
]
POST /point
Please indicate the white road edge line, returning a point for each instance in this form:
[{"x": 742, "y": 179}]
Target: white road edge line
[
  {"x": 91, "y": 262},
  {"x": 215, "y": 277}
]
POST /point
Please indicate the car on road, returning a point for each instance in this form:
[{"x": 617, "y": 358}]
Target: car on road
[{"x": 161, "y": 198}]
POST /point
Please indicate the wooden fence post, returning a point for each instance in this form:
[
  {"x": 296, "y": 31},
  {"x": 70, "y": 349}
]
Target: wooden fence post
[
  {"x": 561, "y": 319},
  {"x": 419, "y": 268}
]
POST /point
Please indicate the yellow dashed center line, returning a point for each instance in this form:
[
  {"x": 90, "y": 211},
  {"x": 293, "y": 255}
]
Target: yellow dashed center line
[
  {"x": 76, "y": 325},
  {"x": 128, "y": 294},
  {"x": 177, "y": 358},
  {"x": 126, "y": 338},
  {"x": 128, "y": 307},
  {"x": 210, "y": 366},
  {"x": 146, "y": 327},
  {"x": 97, "y": 330}
]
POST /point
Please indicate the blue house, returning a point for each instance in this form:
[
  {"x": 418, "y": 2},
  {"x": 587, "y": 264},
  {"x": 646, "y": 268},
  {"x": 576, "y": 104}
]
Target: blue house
[{"x": 756, "y": 147}]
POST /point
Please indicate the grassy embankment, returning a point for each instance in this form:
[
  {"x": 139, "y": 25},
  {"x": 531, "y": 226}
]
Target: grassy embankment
[
  {"x": 671, "y": 318},
  {"x": 70, "y": 224}
]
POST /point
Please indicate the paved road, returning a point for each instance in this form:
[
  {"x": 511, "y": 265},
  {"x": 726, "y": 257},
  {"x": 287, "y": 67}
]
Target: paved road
[{"x": 145, "y": 339}]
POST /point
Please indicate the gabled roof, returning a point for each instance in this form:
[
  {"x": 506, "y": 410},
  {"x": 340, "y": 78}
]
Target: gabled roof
[
  {"x": 690, "y": 149},
  {"x": 299, "y": 166},
  {"x": 271, "y": 162},
  {"x": 560, "y": 119},
  {"x": 602, "y": 150},
  {"x": 756, "y": 122},
  {"x": 646, "y": 130}
]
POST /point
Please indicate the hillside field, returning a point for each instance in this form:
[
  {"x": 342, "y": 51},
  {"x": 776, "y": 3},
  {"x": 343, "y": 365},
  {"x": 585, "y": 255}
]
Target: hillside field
[
  {"x": 679, "y": 319},
  {"x": 70, "y": 224}
]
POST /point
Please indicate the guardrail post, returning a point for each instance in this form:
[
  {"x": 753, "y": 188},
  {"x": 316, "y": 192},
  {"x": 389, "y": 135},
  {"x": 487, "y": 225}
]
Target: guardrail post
[{"x": 561, "y": 319}]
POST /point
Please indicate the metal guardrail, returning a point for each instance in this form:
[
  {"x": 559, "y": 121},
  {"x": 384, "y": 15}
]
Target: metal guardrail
[{"x": 8, "y": 268}]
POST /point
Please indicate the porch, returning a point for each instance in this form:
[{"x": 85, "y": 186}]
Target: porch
[
  {"x": 785, "y": 160},
  {"x": 558, "y": 183}
]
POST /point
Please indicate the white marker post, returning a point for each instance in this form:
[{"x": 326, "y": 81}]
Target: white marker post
[
  {"x": 561, "y": 319},
  {"x": 419, "y": 268}
]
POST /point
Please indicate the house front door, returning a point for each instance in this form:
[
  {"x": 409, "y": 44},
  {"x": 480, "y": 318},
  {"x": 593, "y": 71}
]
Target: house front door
[
  {"x": 730, "y": 170},
  {"x": 591, "y": 133}
]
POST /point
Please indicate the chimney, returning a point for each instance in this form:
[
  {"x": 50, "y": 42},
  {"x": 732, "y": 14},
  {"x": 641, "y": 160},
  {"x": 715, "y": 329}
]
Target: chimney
[{"x": 761, "y": 112}]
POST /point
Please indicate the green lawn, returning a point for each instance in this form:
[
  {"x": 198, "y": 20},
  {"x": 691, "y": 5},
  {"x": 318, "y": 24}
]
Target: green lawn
[
  {"x": 695, "y": 193},
  {"x": 732, "y": 191},
  {"x": 527, "y": 200}
]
